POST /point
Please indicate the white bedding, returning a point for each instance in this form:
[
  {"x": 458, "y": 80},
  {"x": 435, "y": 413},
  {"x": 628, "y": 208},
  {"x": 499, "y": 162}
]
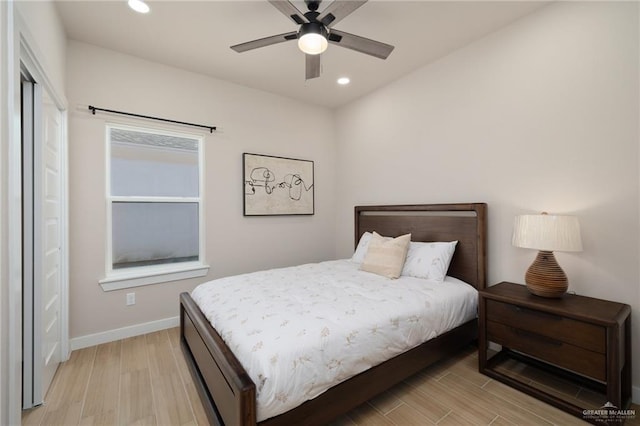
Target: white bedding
[{"x": 298, "y": 331}]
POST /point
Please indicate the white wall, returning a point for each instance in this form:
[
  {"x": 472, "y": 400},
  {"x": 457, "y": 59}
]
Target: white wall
[
  {"x": 542, "y": 115},
  {"x": 40, "y": 19},
  {"x": 249, "y": 120}
]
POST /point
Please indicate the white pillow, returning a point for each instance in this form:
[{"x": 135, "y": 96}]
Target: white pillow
[
  {"x": 361, "y": 249},
  {"x": 429, "y": 260},
  {"x": 386, "y": 256}
]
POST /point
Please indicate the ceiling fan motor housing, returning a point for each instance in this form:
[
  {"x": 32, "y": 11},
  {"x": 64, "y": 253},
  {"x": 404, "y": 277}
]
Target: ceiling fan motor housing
[
  {"x": 313, "y": 4},
  {"x": 313, "y": 28}
]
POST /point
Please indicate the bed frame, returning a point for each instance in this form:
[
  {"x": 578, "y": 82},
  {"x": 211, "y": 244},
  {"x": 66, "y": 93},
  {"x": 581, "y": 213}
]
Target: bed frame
[{"x": 228, "y": 393}]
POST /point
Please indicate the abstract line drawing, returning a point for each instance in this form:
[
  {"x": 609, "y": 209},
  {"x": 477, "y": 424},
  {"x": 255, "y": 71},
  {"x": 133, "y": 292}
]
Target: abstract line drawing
[{"x": 277, "y": 185}]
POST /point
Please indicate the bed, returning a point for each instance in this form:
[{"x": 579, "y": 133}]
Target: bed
[{"x": 226, "y": 389}]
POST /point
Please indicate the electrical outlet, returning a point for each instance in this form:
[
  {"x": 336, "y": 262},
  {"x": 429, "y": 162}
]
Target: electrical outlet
[{"x": 131, "y": 299}]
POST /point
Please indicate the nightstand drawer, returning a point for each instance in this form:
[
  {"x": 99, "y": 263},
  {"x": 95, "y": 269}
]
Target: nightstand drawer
[
  {"x": 545, "y": 348},
  {"x": 582, "y": 334}
]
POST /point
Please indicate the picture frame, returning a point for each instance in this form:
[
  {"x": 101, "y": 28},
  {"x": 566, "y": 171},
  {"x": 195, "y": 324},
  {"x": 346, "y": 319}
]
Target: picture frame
[{"x": 277, "y": 186}]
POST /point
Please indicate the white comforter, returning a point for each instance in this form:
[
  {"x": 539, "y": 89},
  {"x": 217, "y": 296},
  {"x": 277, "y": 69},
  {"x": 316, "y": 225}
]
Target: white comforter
[{"x": 298, "y": 331}]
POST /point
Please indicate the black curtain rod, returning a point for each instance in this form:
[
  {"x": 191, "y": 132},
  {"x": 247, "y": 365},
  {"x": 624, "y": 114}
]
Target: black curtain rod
[{"x": 94, "y": 109}]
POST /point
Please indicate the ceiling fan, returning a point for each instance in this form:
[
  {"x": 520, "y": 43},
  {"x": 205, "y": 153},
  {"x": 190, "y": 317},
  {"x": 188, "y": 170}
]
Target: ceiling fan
[{"x": 316, "y": 31}]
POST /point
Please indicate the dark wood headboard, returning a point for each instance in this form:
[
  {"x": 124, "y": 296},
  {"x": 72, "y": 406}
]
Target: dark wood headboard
[{"x": 466, "y": 223}]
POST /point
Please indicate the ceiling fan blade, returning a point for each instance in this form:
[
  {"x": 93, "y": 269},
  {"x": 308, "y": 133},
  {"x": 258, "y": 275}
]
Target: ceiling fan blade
[
  {"x": 338, "y": 10},
  {"x": 312, "y": 66},
  {"x": 289, "y": 10},
  {"x": 267, "y": 41},
  {"x": 360, "y": 44}
]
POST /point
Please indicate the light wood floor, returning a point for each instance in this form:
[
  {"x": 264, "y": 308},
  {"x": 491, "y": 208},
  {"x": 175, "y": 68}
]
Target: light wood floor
[{"x": 144, "y": 381}]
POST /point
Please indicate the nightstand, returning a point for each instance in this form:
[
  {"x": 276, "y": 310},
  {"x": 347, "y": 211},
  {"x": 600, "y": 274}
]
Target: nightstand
[{"x": 581, "y": 339}]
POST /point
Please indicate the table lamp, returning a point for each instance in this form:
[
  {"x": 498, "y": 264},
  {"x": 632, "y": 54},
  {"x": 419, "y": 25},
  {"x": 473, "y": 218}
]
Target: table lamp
[{"x": 547, "y": 233}]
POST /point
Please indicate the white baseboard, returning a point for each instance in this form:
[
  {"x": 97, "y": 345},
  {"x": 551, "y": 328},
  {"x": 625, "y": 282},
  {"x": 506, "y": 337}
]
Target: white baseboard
[{"x": 123, "y": 333}]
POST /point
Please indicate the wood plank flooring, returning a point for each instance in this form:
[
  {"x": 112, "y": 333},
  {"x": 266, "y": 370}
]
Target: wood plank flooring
[{"x": 144, "y": 380}]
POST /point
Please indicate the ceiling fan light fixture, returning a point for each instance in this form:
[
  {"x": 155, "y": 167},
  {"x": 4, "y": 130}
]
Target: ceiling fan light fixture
[{"x": 312, "y": 38}]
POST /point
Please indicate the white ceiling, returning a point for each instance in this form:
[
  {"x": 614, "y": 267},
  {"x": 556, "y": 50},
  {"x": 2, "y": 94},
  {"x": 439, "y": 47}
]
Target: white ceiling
[{"x": 196, "y": 35}]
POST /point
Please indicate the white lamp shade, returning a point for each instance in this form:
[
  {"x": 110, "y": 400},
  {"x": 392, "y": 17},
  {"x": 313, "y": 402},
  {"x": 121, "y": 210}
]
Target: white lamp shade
[
  {"x": 312, "y": 43},
  {"x": 547, "y": 232}
]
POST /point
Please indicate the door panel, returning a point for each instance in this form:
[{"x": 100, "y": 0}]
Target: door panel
[
  {"x": 27, "y": 244},
  {"x": 50, "y": 216}
]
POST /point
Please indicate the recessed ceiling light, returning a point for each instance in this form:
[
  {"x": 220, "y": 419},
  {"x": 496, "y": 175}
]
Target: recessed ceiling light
[
  {"x": 139, "y": 6},
  {"x": 343, "y": 81}
]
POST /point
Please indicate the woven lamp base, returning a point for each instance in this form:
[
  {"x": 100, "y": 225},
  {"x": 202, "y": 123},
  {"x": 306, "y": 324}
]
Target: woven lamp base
[{"x": 545, "y": 277}]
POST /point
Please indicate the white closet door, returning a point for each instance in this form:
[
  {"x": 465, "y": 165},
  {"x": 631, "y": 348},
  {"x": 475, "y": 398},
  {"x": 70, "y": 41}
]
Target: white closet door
[
  {"x": 27, "y": 244},
  {"x": 48, "y": 227}
]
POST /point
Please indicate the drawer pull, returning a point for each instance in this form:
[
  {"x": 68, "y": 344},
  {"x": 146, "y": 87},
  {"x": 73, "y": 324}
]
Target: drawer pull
[
  {"x": 538, "y": 337},
  {"x": 537, "y": 313}
]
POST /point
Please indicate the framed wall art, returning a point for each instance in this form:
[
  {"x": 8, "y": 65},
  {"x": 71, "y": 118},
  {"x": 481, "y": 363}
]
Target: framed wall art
[{"x": 277, "y": 185}]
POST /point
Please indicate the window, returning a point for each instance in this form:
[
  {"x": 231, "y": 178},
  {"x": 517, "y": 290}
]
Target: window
[{"x": 154, "y": 207}]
